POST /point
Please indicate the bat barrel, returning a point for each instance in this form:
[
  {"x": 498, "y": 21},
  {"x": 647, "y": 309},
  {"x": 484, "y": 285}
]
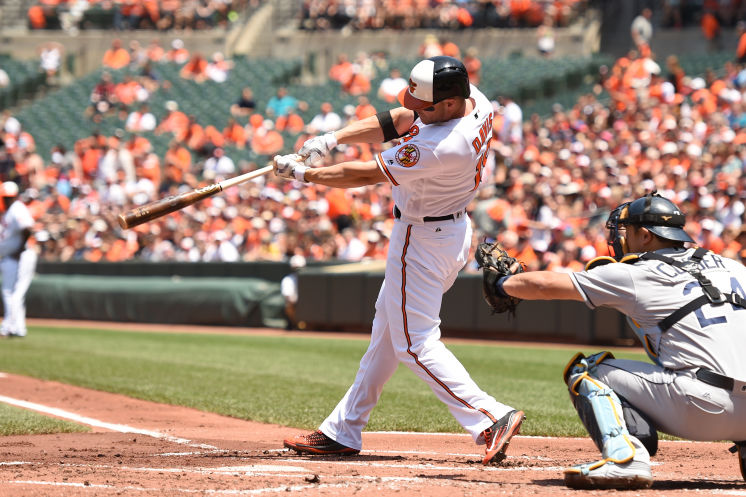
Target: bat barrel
[{"x": 171, "y": 204}]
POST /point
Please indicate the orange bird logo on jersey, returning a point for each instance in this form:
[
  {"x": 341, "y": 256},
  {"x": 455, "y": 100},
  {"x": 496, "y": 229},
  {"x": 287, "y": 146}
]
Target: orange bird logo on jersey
[{"x": 408, "y": 155}]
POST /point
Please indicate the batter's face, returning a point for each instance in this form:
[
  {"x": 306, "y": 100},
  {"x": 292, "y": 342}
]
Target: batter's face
[{"x": 437, "y": 113}]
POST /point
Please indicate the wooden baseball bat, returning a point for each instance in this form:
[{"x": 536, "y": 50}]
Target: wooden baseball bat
[{"x": 160, "y": 208}]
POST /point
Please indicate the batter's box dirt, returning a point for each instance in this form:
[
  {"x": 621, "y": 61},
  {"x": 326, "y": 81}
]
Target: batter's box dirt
[{"x": 146, "y": 449}]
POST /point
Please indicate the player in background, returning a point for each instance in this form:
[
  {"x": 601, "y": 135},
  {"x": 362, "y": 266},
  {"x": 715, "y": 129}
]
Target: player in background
[
  {"x": 17, "y": 261},
  {"x": 686, "y": 305},
  {"x": 445, "y": 125}
]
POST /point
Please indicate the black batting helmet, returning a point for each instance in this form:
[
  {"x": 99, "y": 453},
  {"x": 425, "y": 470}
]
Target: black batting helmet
[{"x": 433, "y": 80}]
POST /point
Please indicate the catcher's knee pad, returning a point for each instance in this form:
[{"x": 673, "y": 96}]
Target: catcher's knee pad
[
  {"x": 580, "y": 363},
  {"x": 640, "y": 426},
  {"x": 600, "y": 410}
]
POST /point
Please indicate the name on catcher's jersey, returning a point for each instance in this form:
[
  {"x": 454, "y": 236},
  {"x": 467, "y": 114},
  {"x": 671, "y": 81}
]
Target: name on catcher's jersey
[
  {"x": 648, "y": 291},
  {"x": 437, "y": 167}
]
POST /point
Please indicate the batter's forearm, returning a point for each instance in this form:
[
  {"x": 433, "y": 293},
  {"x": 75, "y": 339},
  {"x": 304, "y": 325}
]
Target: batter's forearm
[
  {"x": 542, "y": 285},
  {"x": 369, "y": 130},
  {"x": 346, "y": 175}
]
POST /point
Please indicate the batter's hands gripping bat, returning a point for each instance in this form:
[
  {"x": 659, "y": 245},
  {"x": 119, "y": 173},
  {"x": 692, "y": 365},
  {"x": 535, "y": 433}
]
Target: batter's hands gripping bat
[{"x": 160, "y": 208}]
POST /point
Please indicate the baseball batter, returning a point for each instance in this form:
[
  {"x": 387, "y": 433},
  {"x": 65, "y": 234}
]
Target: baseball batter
[
  {"x": 445, "y": 124},
  {"x": 17, "y": 262},
  {"x": 687, "y": 308}
]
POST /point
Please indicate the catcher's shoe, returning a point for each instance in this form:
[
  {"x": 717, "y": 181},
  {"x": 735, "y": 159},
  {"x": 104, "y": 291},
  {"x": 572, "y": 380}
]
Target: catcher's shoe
[
  {"x": 497, "y": 437},
  {"x": 604, "y": 475},
  {"x": 318, "y": 443},
  {"x": 740, "y": 449}
]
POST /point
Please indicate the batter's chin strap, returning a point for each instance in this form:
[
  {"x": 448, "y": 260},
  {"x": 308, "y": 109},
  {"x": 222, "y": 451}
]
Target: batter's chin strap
[{"x": 711, "y": 294}]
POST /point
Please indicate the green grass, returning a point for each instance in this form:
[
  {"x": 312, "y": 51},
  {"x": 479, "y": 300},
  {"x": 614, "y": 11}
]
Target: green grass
[
  {"x": 294, "y": 381},
  {"x": 17, "y": 421}
]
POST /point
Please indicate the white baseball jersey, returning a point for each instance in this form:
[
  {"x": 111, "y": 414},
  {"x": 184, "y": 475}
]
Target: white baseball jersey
[
  {"x": 435, "y": 172},
  {"x": 15, "y": 220},
  {"x": 649, "y": 291},
  {"x": 17, "y": 268},
  {"x": 437, "y": 168}
]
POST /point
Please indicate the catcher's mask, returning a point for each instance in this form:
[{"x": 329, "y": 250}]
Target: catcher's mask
[{"x": 658, "y": 215}]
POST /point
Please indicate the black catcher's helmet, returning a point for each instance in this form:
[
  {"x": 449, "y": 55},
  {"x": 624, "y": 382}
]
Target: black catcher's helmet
[{"x": 659, "y": 215}]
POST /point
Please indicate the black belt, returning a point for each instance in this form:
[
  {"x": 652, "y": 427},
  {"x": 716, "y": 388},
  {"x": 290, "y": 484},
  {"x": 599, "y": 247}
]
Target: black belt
[
  {"x": 427, "y": 219},
  {"x": 715, "y": 379}
]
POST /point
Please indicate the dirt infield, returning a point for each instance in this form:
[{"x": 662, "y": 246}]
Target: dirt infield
[{"x": 142, "y": 448}]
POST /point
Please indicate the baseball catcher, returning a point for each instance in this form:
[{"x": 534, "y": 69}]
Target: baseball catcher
[
  {"x": 497, "y": 266},
  {"x": 685, "y": 304}
]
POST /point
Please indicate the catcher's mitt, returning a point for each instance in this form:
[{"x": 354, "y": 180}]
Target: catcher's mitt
[{"x": 496, "y": 263}]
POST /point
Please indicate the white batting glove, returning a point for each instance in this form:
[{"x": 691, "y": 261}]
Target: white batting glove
[
  {"x": 316, "y": 148},
  {"x": 289, "y": 167}
]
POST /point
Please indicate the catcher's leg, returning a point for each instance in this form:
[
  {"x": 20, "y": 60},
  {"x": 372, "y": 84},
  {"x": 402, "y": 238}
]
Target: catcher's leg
[{"x": 625, "y": 463}]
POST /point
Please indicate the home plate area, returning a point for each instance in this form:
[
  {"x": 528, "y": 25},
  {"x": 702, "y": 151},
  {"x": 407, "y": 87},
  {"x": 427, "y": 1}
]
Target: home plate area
[{"x": 148, "y": 449}]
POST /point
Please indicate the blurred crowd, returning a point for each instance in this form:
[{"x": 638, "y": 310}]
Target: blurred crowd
[
  {"x": 436, "y": 14},
  {"x": 551, "y": 181},
  {"x": 72, "y": 15},
  {"x": 663, "y": 130}
]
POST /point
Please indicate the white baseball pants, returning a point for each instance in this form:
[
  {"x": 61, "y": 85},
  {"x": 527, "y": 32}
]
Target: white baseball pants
[
  {"x": 423, "y": 262},
  {"x": 17, "y": 275}
]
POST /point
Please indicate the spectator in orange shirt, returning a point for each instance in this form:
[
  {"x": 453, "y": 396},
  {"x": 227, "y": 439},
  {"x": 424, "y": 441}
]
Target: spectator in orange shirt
[
  {"x": 150, "y": 167},
  {"x": 155, "y": 51},
  {"x": 358, "y": 83},
  {"x": 709, "y": 238},
  {"x": 175, "y": 122},
  {"x": 90, "y": 159},
  {"x": 195, "y": 69},
  {"x": 178, "y": 54},
  {"x": 364, "y": 108},
  {"x": 711, "y": 30},
  {"x": 127, "y": 93},
  {"x": 194, "y": 135},
  {"x": 213, "y": 138},
  {"x": 139, "y": 146},
  {"x": 36, "y": 17},
  {"x": 266, "y": 140},
  {"x": 473, "y": 65},
  {"x": 341, "y": 71},
  {"x": 517, "y": 246},
  {"x": 234, "y": 133},
  {"x": 452, "y": 50},
  {"x": 178, "y": 157},
  {"x": 116, "y": 57}
]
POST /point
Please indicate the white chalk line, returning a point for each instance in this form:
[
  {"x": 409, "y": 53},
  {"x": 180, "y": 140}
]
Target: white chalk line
[
  {"x": 60, "y": 413},
  {"x": 258, "y": 491},
  {"x": 460, "y": 468}
]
